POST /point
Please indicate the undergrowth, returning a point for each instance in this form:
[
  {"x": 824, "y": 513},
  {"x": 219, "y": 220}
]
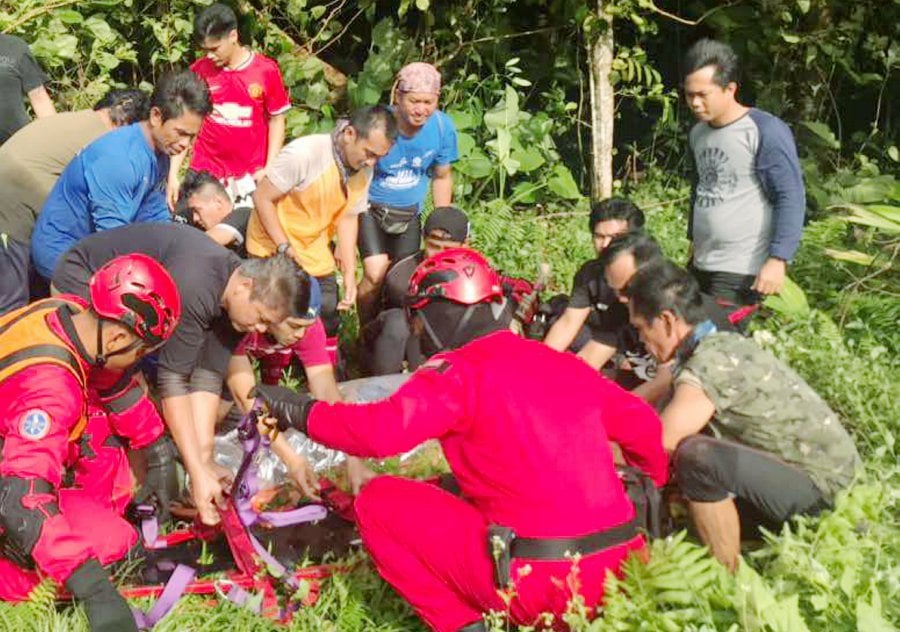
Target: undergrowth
[{"x": 838, "y": 571}]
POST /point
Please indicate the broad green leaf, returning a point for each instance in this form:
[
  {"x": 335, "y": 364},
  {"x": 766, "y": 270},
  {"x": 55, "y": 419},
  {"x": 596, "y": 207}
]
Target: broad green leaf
[
  {"x": 66, "y": 46},
  {"x": 512, "y": 62},
  {"x": 803, "y": 5},
  {"x": 317, "y": 11},
  {"x": 465, "y": 143},
  {"x": 477, "y": 165},
  {"x": 871, "y": 190},
  {"x": 422, "y": 5},
  {"x": 99, "y": 28},
  {"x": 462, "y": 119},
  {"x": 529, "y": 159},
  {"x": 888, "y": 212},
  {"x": 108, "y": 61},
  {"x": 68, "y": 16},
  {"x": 893, "y": 153},
  {"x": 563, "y": 184},
  {"x": 869, "y": 617},
  {"x": 853, "y": 256},
  {"x": 791, "y": 301},
  {"x": 822, "y": 133},
  {"x": 790, "y": 38}
]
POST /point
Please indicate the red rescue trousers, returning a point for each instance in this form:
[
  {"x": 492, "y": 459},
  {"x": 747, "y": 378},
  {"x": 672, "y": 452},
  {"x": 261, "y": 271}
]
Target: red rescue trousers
[
  {"x": 92, "y": 507},
  {"x": 432, "y": 547}
]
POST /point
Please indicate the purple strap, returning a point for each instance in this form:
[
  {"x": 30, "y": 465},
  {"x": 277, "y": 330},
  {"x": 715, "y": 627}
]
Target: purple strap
[
  {"x": 309, "y": 513},
  {"x": 175, "y": 587},
  {"x": 239, "y": 597}
]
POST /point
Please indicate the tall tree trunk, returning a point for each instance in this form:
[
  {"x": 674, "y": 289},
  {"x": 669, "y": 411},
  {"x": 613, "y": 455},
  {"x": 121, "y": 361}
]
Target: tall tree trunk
[{"x": 602, "y": 105}]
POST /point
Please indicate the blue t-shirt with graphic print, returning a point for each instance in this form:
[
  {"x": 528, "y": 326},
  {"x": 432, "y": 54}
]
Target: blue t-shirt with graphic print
[{"x": 401, "y": 177}]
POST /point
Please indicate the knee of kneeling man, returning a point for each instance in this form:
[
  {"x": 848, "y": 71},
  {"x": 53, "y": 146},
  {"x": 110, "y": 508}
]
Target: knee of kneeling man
[{"x": 694, "y": 454}]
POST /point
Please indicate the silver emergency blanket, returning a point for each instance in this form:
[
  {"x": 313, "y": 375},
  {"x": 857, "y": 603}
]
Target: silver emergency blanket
[{"x": 271, "y": 471}]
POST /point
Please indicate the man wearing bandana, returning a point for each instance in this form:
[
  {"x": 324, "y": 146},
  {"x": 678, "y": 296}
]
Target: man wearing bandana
[
  {"x": 423, "y": 153},
  {"x": 313, "y": 191}
]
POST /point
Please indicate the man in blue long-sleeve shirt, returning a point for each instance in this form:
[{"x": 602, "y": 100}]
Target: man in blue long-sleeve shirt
[
  {"x": 748, "y": 201},
  {"x": 120, "y": 178}
]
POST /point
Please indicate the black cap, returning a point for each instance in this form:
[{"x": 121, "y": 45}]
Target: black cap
[{"x": 450, "y": 220}]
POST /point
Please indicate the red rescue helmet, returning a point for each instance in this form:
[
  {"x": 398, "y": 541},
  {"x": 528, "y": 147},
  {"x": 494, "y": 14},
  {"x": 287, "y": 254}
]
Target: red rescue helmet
[
  {"x": 461, "y": 275},
  {"x": 137, "y": 291}
]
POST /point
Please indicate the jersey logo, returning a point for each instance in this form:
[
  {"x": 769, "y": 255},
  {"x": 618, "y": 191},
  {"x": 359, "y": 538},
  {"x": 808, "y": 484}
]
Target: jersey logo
[
  {"x": 35, "y": 424},
  {"x": 255, "y": 91}
]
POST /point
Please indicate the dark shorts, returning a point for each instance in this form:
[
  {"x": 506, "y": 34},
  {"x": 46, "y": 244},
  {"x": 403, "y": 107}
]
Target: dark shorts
[
  {"x": 764, "y": 487},
  {"x": 14, "y": 274},
  {"x": 329, "y": 314},
  {"x": 373, "y": 240},
  {"x": 384, "y": 341},
  {"x": 728, "y": 286}
]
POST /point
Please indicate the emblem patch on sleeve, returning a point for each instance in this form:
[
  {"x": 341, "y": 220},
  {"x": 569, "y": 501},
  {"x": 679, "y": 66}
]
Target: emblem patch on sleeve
[{"x": 35, "y": 424}]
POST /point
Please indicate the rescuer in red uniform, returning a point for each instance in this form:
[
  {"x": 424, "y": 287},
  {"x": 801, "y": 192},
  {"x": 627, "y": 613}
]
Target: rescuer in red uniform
[
  {"x": 67, "y": 403},
  {"x": 526, "y": 432}
]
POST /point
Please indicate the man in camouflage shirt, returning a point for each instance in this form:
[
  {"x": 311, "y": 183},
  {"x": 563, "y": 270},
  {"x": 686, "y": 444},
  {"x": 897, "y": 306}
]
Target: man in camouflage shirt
[{"x": 752, "y": 442}]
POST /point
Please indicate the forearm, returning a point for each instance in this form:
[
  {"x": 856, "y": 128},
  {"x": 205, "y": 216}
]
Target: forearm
[
  {"x": 442, "y": 189},
  {"x": 175, "y": 163},
  {"x": 277, "y": 126},
  {"x": 564, "y": 330},
  {"x": 656, "y": 389},
  {"x": 268, "y": 217},
  {"x": 596, "y": 354},
  {"x": 178, "y": 414},
  {"x": 41, "y": 102},
  {"x": 204, "y": 408},
  {"x": 348, "y": 229}
]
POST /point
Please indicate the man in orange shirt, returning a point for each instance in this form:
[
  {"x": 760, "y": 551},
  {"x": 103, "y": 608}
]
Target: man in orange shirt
[{"x": 314, "y": 190}]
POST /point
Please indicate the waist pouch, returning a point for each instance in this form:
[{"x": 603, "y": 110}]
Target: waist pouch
[
  {"x": 503, "y": 545},
  {"x": 393, "y": 220}
]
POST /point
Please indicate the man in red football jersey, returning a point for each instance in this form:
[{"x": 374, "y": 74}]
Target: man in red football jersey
[{"x": 246, "y": 129}]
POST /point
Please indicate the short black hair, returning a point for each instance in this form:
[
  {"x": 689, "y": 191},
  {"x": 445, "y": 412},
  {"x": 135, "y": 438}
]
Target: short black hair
[
  {"x": 708, "y": 52},
  {"x": 278, "y": 283},
  {"x": 616, "y": 208},
  {"x": 365, "y": 119},
  {"x": 663, "y": 286},
  {"x": 215, "y": 21},
  {"x": 194, "y": 182},
  {"x": 178, "y": 91},
  {"x": 640, "y": 244},
  {"x": 125, "y": 106}
]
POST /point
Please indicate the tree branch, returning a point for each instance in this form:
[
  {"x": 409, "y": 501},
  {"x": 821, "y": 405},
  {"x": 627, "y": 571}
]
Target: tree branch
[
  {"x": 37, "y": 12},
  {"x": 677, "y": 18}
]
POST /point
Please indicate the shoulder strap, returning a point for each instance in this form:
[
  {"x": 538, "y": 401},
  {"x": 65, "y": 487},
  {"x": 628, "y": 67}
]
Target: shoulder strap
[{"x": 55, "y": 352}]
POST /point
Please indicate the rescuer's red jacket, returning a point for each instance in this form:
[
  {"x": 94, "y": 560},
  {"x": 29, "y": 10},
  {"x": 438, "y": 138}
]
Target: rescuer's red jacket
[
  {"x": 525, "y": 430},
  {"x": 46, "y": 384}
]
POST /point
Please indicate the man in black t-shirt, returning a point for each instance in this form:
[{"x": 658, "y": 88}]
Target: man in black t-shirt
[
  {"x": 636, "y": 368},
  {"x": 222, "y": 298},
  {"x": 385, "y": 339},
  {"x": 20, "y": 75},
  {"x": 594, "y": 317}
]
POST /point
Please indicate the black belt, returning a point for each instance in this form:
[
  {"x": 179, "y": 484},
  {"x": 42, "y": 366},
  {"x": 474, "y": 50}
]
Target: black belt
[
  {"x": 558, "y": 548},
  {"x": 504, "y": 544}
]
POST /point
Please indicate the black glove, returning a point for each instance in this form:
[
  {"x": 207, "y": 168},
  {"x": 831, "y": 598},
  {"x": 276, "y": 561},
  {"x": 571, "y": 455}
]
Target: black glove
[
  {"x": 161, "y": 481},
  {"x": 290, "y": 409},
  {"x": 106, "y": 609}
]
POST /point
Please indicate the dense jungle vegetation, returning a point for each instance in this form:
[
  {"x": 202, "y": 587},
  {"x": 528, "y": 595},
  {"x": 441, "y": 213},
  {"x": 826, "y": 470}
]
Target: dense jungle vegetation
[{"x": 517, "y": 87}]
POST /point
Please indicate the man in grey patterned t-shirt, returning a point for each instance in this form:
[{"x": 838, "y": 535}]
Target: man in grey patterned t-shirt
[{"x": 748, "y": 201}]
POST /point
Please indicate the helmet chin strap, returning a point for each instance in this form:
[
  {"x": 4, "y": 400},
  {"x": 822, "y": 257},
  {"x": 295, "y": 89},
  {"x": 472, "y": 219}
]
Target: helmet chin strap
[{"x": 101, "y": 358}]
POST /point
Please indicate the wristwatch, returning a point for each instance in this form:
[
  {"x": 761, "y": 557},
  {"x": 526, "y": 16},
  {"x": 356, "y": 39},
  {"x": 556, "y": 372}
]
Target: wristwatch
[{"x": 283, "y": 247}]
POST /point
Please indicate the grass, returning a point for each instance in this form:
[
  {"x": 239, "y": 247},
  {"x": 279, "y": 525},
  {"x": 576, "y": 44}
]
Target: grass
[{"x": 839, "y": 571}]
